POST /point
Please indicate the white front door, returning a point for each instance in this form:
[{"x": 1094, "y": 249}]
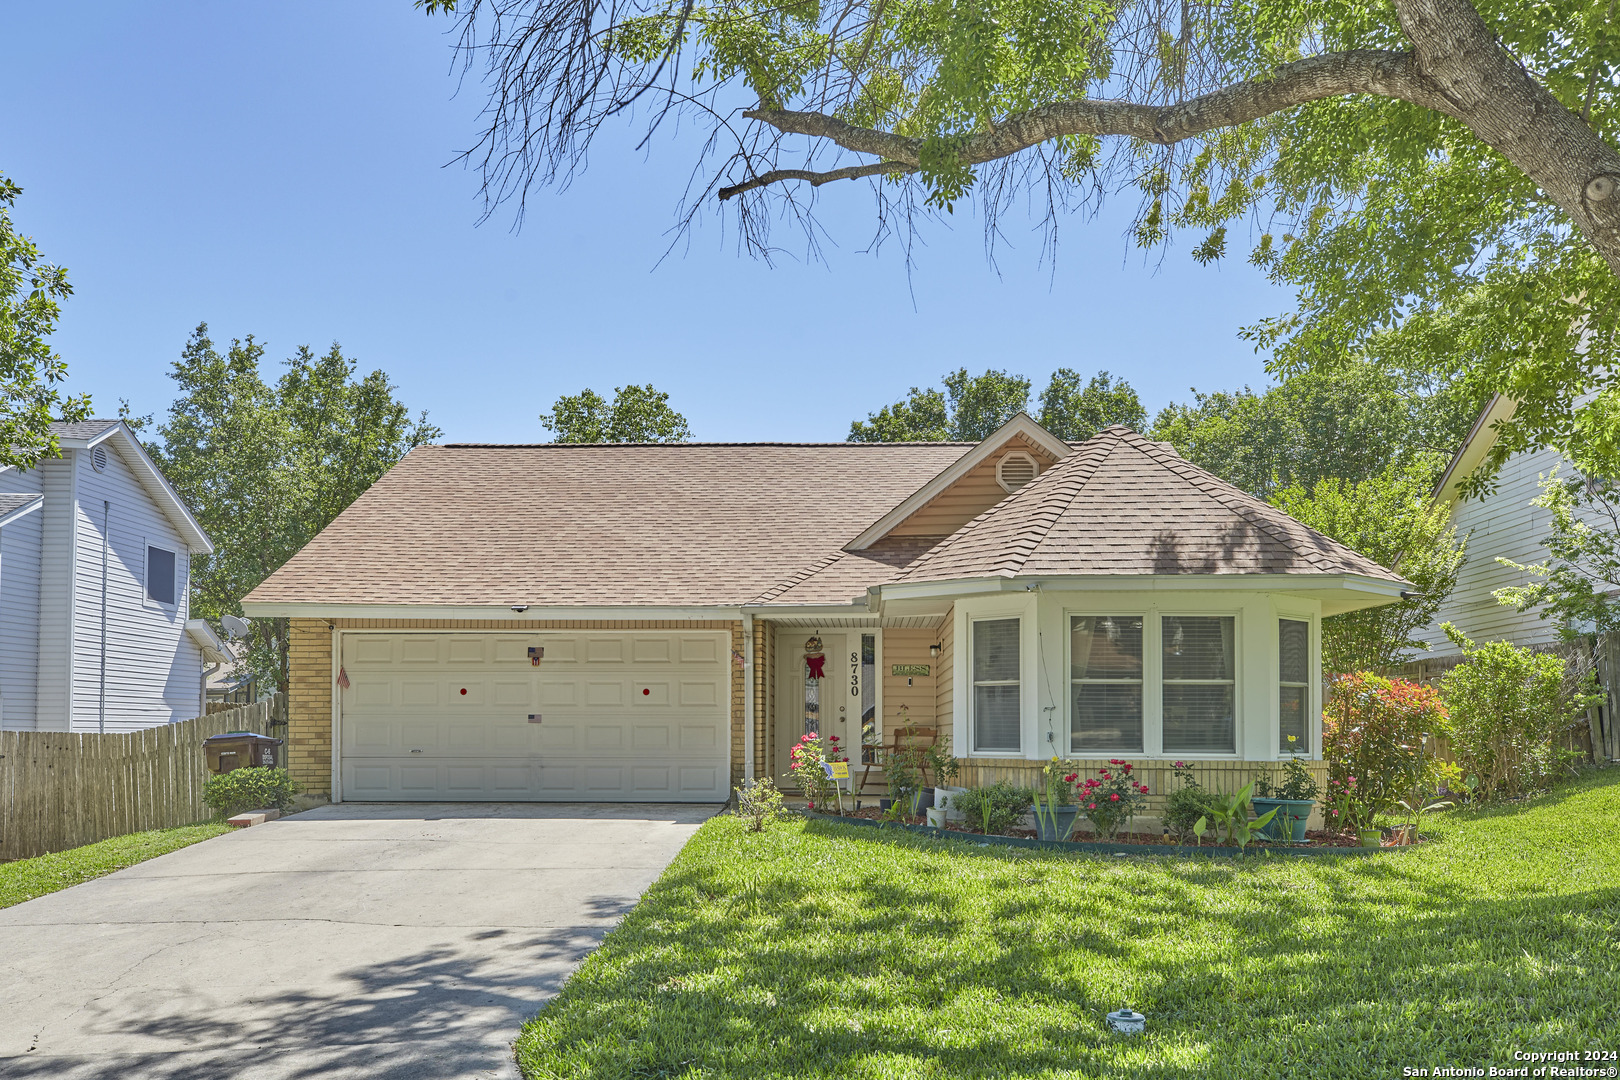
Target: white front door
[
  {"x": 833, "y": 705},
  {"x": 617, "y": 716}
]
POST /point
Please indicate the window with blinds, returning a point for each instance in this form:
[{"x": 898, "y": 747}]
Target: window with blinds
[
  {"x": 995, "y": 686},
  {"x": 1200, "y": 683},
  {"x": 1293, "y": 685},
  {"x": 1105, "y": 683}
]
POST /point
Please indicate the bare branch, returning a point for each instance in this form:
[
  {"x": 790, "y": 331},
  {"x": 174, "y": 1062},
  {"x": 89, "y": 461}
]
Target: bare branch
[{"x": 814, "y": 178}]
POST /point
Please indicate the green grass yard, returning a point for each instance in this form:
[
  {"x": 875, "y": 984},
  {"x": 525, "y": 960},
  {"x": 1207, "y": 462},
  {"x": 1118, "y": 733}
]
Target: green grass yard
[
  {"x": 829, "y": 951},
  {"x": 28, "y": 878}
]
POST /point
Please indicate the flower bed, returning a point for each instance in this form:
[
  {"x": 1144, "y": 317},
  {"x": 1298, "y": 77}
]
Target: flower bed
[{"x": 1125, "y": 844}]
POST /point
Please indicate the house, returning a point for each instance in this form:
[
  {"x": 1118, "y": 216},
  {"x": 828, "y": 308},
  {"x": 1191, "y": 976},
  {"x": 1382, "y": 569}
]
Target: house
[
  {"x": 95, "y": 551},
  {"x": 1502, "y": 523},
  {"x": 633, "y": 622}
]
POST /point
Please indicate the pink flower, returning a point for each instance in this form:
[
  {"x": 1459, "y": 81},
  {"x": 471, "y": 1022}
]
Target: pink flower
[
  {"x": 1127, "y": 766},
  {"x": 1113, "y": 798},
  {"x": 1091, "y": 806}
]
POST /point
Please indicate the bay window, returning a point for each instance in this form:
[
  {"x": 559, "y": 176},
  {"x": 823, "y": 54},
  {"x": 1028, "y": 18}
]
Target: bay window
[
  {"x": 1199, "y": 681},
  {"x": 1105, "y": 683},
  {"x": 996, "y": 691}
]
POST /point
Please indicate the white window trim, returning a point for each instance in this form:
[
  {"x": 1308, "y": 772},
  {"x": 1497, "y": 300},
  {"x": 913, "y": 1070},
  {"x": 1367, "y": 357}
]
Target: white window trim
[
  {"x": 969, "y": 610},
  {"x": 146, "y": 577},
  {"x": 1236, "y": 753},
  {"x": 1150, "y": 693},
  {"x": 1311, "y": 660}
]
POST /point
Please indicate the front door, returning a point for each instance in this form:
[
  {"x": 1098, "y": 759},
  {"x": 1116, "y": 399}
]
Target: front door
[{"x": 842, "y": 702}]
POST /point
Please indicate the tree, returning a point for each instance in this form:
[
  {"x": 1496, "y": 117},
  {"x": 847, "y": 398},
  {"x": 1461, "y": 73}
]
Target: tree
[
  {"x": 1390, "y": 519},
  {"x": 267, "y": 467},
  {"x": 638, "y": 414},
  {"x": 1350, "y": 425},
  {"x": 970, "y": 409},
  {"x": 1075, "y": 413},
  {"x": 31, "y": 291},
  {"x": 1433, "y": 176},
  {"x": 1579, "y": 582}
]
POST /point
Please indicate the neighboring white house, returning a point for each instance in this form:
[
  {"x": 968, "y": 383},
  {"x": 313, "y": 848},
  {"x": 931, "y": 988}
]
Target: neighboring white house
[
  {"x": 1502, "y": 524},
  {"x": 95, "y": 555}
]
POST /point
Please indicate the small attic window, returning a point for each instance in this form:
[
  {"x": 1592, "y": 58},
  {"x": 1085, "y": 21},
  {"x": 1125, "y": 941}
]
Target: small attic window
[
  {"x": 1016, "y": 469},
  {"x": 98, "y": 459}
]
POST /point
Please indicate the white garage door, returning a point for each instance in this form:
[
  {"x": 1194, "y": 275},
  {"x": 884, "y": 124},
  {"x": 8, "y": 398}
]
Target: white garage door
[{"x": 604, "y": 716}]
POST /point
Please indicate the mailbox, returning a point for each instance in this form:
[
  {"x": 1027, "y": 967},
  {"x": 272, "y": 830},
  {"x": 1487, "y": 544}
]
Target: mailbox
[{"x": 239, "y": 750}]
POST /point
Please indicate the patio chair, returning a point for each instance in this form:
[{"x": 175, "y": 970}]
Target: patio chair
[{"x": 895, "y": 740}]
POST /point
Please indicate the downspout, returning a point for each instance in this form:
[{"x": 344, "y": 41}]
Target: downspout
[
  {"x": 101, "y": 705},
  {"x": 748, "y": 695}
]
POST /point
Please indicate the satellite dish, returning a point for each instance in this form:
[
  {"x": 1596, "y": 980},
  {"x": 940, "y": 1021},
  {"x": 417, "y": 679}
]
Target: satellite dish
[{"x": 235, "y": 627}]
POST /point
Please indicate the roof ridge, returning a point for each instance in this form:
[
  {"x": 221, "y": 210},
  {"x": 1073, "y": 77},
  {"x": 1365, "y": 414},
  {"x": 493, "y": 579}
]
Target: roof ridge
[
  {"x": 1221, "y": 490},
  {"x": 670, "y": 445}
]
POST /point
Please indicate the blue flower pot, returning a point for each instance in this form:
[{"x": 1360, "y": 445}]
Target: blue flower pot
[
  {"x": 1046, "y": 828},
  {"x": 1292, "y": 817}
]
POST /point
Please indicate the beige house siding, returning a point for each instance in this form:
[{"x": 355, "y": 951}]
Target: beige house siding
[
  {"x": 971, "y": 495},
  {"x": 309, "y": 701},
  {"x": 917, "y": 692}
]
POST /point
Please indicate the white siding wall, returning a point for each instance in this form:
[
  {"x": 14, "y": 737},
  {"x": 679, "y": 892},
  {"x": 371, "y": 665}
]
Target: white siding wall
[
  {"x": 19, "y": 607},
  {"x": 1502, "y": 524},
  {"x": 154, "y": 669},
  {"x": 56, "y": 584}
]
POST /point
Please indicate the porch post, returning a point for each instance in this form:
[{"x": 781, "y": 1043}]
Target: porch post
[{"x": 748, "y": 695}]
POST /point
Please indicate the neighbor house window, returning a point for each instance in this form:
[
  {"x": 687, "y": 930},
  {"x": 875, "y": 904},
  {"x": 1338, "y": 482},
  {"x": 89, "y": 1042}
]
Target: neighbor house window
[
  {"x": 160, "y": 575},
  {"x": 1199, "y": 684},
  {"x": 1105, "y": 683},
  {"x": 1293, "y": 684},
  {"x": 995, "y": 686}
]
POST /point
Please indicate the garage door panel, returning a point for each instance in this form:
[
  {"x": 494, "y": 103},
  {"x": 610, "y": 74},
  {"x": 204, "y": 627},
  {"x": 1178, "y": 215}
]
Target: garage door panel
[{"x": 603, "y": 716}]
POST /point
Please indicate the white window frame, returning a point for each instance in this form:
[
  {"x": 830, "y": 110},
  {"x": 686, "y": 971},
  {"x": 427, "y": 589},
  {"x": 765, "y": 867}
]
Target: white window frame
[
  {"x": 1150, "y": 693},
  {"x": 1236, "y": 615},
  {"x": 146, "y": 576},
  {"x": 968, "y": 610},
  {"x": 1312, "y": 660},
  {"x": 974, "y": 684}
]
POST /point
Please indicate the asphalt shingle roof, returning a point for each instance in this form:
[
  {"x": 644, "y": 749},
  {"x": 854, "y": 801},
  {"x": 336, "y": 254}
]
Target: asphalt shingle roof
[
  {"x": 670, "y": 524},
  {"x": 82, "y": 429},
  {"x": 1122, "y": 504}
]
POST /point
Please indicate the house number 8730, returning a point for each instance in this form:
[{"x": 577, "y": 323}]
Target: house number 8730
[{"x": 854, "y": 674}]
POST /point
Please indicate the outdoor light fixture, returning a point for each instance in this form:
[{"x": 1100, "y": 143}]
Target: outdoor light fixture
[
  {"x": 520, "y": 608},
  {"x": 933, "y": 650}
]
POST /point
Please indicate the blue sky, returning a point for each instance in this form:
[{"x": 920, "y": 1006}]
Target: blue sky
[{"x": 278, "y": 169}]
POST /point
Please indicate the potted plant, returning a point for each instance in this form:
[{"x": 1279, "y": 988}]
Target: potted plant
[
  {"x": 1055, "y": 814},
  {"x": 1111, "y": 798},
  {"x": 1292, "y": 800},
  {"x": 946, "y": 770}
]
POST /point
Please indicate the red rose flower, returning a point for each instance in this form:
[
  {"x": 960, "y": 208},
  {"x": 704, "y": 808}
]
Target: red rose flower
[{"x": 1113, "y": 798}]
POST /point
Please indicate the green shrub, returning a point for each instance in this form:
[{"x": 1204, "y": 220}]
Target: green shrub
[
  {"x": 1508, "y": 706},
  {"x": 1185, "y": 805},
  {"x": 759, "y": 803},
  {"x": 1006, "y": 802},
  {"x": 257, "y": 788}
]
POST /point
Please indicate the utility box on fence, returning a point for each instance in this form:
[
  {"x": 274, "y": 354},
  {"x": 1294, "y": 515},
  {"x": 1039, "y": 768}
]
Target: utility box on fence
[{"x": 239, "y": 750}]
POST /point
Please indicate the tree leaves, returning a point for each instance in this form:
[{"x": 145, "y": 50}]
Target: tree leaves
[
  {"x": 637, "y": 414},
  {"x": 31, "y": 292}
]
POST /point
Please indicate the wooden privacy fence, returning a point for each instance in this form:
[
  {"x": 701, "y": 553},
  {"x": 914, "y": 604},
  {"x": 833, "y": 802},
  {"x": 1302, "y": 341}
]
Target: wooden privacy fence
[{"x": 59, "y": 789}]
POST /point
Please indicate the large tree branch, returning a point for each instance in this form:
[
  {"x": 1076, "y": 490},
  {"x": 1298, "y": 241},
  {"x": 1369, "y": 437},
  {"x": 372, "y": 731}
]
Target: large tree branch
[
  {"x": 1364, "y": 71},
  {"x": 814, "y": 178}
]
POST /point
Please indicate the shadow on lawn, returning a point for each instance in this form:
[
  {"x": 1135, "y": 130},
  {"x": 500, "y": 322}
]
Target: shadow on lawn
[{"x": 810, "y": 989}]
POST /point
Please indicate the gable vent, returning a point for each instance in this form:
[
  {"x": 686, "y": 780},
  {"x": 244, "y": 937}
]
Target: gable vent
[
  {"x": 1015, "y": 470},
  {"x": 98, "y": 459}
]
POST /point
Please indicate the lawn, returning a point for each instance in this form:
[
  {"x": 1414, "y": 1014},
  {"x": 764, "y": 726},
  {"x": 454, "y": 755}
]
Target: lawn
[
  {"x": 825, "y": 950},
  {"x": 28, "y": 878}
]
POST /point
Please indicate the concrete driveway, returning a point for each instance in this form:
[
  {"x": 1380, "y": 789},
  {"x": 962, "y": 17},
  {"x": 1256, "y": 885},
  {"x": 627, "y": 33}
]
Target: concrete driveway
[{"x": 385, "y": 941}]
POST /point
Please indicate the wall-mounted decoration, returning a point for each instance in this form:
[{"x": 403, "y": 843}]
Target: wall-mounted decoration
[
  {"x": 343, "y": 678},
  {"x": 537, "y": 653},
  {"x": 909, "y": 669}
]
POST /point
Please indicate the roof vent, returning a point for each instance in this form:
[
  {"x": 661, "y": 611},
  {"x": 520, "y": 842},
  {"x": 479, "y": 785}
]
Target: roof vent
[
  {"x": 1016, "y": 469},
  {"x": 98, "y": 459}
]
